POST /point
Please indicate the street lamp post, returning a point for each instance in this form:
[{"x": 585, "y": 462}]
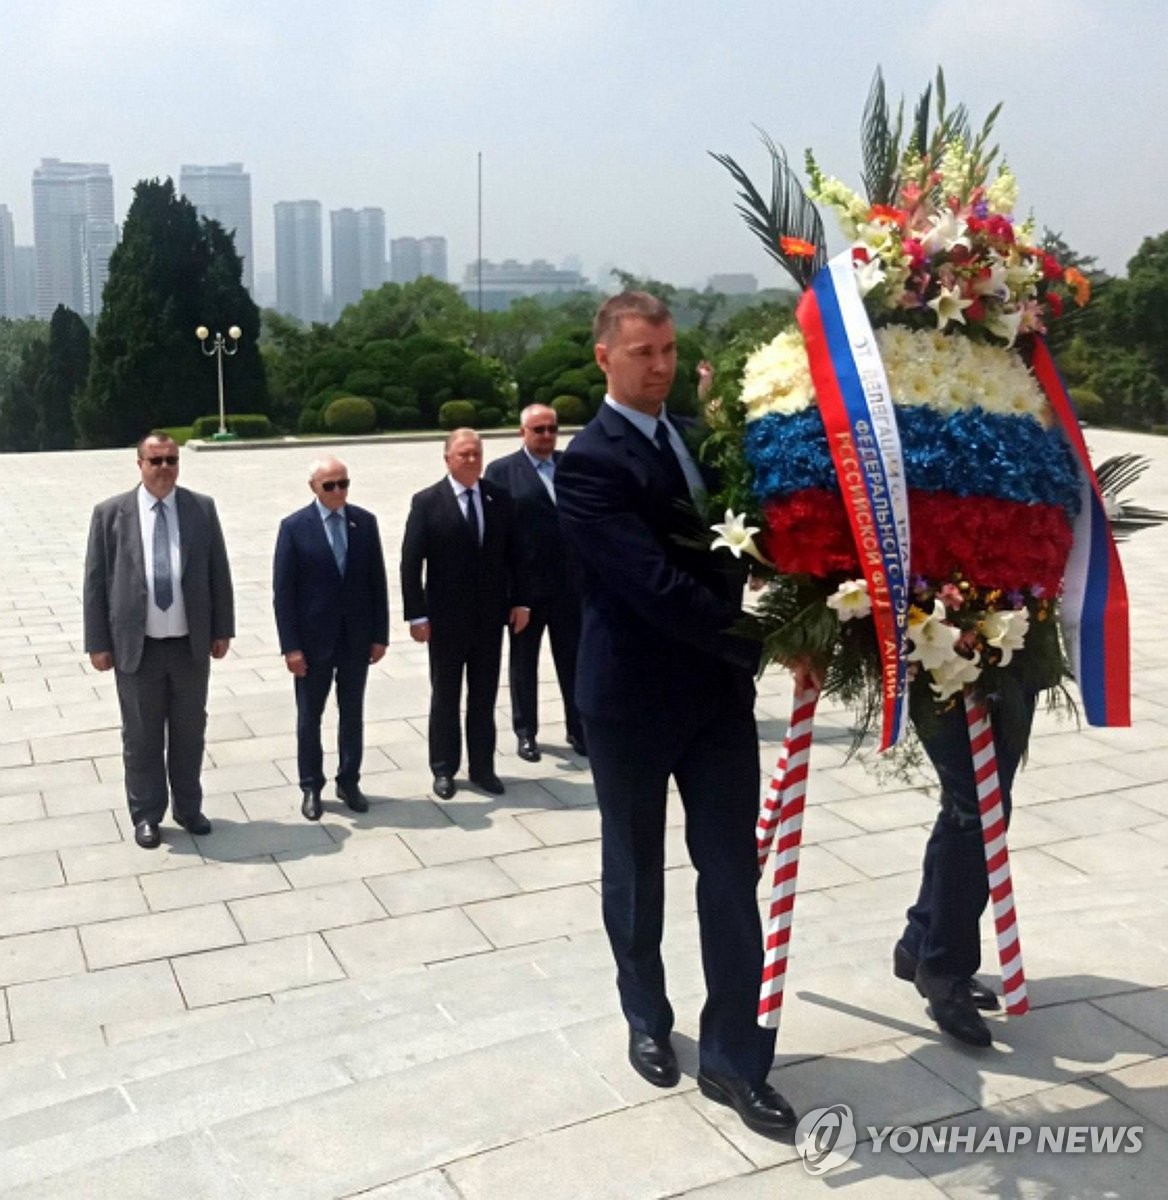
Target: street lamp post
[{"x": 217, "y": 350}]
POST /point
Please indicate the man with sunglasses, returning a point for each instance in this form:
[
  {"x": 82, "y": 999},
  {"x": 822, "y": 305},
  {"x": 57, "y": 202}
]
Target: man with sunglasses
[
  {"x": 529, "y": 476},
  {"x": 332, "y": 615},
  {"x": 158, "y": 606}
]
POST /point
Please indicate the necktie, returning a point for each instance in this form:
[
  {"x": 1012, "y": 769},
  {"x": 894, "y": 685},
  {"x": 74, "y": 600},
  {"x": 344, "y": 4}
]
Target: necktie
[
  {"x": 163, "y": 581},
  {"x": 472, "y": 516},
  {"x": 337, "y": 539},
  {"x": 547, "y": 474},
  {"x": 677, "y": 480}
]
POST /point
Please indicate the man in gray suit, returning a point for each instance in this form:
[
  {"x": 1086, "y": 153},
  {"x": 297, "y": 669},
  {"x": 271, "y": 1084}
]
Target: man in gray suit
[{"x": 158, "y": 607}]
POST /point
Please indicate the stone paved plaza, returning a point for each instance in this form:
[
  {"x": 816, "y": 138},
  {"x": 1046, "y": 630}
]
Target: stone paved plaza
[{"x": 419, "y": 1003}]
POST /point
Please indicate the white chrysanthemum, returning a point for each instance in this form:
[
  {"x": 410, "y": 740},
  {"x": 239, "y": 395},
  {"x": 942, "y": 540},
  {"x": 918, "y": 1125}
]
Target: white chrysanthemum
[
  {"x": 924, "y": 368},
  {"x": 776, "y": 378}
]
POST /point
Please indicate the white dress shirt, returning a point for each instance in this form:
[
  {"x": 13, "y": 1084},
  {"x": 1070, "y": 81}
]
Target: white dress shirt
[{"x": 172, "y": 622}]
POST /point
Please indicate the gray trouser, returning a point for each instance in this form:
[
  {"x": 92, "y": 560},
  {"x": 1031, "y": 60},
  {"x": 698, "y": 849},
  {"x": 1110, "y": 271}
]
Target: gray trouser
[{"x": 164, "y": 720}]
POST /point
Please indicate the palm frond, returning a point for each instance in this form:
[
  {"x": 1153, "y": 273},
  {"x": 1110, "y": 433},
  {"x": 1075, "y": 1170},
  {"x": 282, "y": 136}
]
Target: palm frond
[
  {"x": 788, "y": 214},
  {"x": 880, "y": 143},
  {"x": 1115, "y": 476},
  {"x": 920, "y": 135}
]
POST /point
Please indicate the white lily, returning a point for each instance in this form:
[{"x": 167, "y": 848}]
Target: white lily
[
  {"x": 736, "y": 536},
  {"x": 869, "y": 275},
  {"x": 1006, "y": 631},
  {"x": 1005, "y": 324},
  {"x": 933, "y": 639},
  {"x": 994, "y": 284},
  {"x": 947, "y": 231},
  {"x": 953, "y": 674},
  {"x": 850, "y": 600},
  {"x": 949, "y": 305}
]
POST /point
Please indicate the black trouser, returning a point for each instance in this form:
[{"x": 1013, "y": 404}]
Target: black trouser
[
  {"x": 164, "y": 724},
  {"x": 715, "y": 763},
  {"x": 312, "y": 690},
  {"x": 942, "y": 929},
  {"x": 560, "y": 616},
  {"x": 479, "y": 656}
]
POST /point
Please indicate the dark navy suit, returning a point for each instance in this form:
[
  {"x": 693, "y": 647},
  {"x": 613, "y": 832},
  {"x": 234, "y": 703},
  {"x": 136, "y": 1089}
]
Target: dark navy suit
[
  {"x": 333, "y": 620},
  {"x": 466, "y": 590},
  {"x": 552, "y": 588},
  {"x": 665, "y": 691}
]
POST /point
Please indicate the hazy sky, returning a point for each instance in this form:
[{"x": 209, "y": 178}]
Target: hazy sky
[{"x": 593, "y": 116}]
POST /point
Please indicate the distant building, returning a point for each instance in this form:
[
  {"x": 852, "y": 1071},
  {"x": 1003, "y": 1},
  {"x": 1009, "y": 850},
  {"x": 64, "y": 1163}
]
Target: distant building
[
  {"x": 7, "y": 265},
  {"x": 411, "y": 258},
  {"x": 433, "y": 257},
  {"x": 358, "y": 253},
  {"x": 74, "y": 230},
  {"x": 26, "y": 296},
  {"x": 223, "y": 194},
  {"x": 299, "y": 269},
  {"x": 405, "y": 260},
  {"x": 508, "y": 280},
  {"x": 733, "y": 284}
]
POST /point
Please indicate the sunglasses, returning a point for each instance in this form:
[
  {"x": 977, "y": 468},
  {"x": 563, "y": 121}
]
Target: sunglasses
[
  {"x": 331, "y": 485},
  {"x": 544, "y": 428},
  {"x": 156, "y": 460}
]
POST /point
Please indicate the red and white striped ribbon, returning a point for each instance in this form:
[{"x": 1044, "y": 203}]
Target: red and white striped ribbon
[
  {"x": 993, "y": 828},
  {"x": 789, "y": 785}
]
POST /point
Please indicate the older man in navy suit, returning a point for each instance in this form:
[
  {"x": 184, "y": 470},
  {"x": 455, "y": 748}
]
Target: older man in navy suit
[
  {"x": 332, "y": 614},
  {"x": 529, "y": 476},
  {"x": 667, "y": 691}
]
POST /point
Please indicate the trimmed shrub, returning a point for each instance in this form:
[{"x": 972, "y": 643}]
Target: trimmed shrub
[
  {"x": 311, "y": 420},
  {"x": 385, "y": 412},
  {"x": 364, "y": 381},
  {"x": 490, "y": 417},
  {"x": 323, "y": 399},
  {"x": 455, "y": 414},
  {"x": 244, "y": 425},
  {"x": 409, "y": 416},
  {"x": 350, "y": 415},
  {"x": 180, "y": 434},
  {"x": 571, "y": 410},
  {"x": 399, "y": 396},
  {"x": 572, "y": 383}
]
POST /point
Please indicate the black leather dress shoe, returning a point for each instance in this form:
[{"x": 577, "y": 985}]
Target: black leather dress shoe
[
  {"x": 952, "y": 1007},
  {"x": 653, "y": 1059},
  {"x": 489, "y": 782},
  {"x": 310, "y": 805},
  {"x": 904, "y": 966},
  {"x": 198, "y": 825},
  {"x": 147, "y": 835},
  {"x": 353, "y": 797},
  {"x": 758, "y": 1104},
  {"x": 528, "y": 750},
  {"x": 578, "y": 746},
  {"x": 444, "y": 787}
]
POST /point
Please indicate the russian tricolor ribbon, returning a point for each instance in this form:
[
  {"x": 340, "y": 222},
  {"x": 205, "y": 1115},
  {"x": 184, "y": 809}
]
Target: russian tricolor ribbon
[
  {"x": 1093, "y": 609},
  {"x": 855, "y": 403}
]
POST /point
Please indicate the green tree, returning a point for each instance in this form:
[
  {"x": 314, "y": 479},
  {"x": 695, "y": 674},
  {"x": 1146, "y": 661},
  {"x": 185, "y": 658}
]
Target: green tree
[
  {"x": 63, "y": 382},
  {"x": 401, "y": 310},
  {"x": 18, "y": 403},
  {"x": 14, "y": 337},
  {"x": 170, "y": 274}
]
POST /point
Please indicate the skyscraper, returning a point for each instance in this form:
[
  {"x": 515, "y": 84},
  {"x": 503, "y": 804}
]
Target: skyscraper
[
  {"x": 74, "y": 231},
  {"x": 26, "y": 281},
  {"x": 405, "y": 259},
  {"x": 7, "y": 264},
  {"x": 358, "y": 253},
  {"x": 299, "y": 269},
  {"x": 433, "y": 257},
  {"x": 224, "y": 194}
]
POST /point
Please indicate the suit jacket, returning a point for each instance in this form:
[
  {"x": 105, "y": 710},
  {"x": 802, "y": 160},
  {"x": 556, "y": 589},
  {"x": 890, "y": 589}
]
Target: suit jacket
[
  {"x": 541, "y": 546},
  {"x": 464, "y": 589},
  {"x": 115, "y": 594},
  {"x": 655, "y": 612},
  {"x": 318, "y": 611}
]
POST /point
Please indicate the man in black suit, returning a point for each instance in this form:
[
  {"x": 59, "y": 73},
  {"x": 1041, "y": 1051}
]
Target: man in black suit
[
  {"x": 666, "y": 690},
  {"x": 461, "y": 583},
  {"x": 332, "y": 616},
  {"x": 158, "y": 607},
  {"x": 528, "y": 475}
]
